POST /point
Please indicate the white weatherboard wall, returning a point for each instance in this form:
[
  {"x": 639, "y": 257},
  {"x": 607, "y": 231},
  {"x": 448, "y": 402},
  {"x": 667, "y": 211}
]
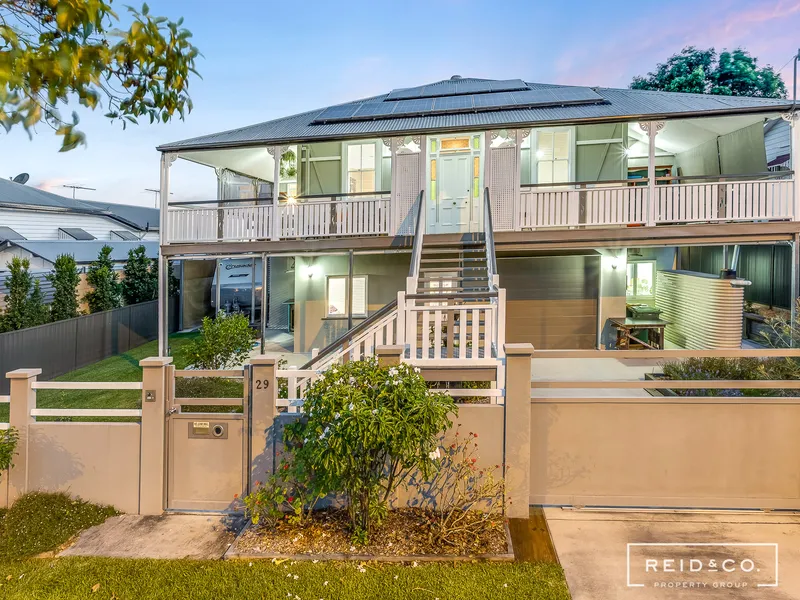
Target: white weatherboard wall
[
  {"x": 41, "y": 225},
  {"x": 703, "y": 311}
]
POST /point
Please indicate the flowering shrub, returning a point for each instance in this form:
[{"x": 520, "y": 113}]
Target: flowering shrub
[
  {"x": 365, "y": 429},
  {"x": 464, "y": 498}
]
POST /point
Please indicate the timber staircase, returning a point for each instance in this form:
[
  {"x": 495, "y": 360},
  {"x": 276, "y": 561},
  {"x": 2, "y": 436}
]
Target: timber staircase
[{"x": 452, "y": 312}]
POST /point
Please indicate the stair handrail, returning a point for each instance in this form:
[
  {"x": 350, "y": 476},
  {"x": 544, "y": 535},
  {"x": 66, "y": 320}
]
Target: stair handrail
[
  {"x": 488, "y": 235},
  {"x": 419, "y": 233},
  {"x": 348, "y": 335}
]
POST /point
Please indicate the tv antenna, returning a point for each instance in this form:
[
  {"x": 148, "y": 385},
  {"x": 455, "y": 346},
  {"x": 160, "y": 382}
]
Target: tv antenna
[
  {"x": 78, "y": 187},
  {"x": 22, "y": 178},
  {"x": 156, "y": 193}
]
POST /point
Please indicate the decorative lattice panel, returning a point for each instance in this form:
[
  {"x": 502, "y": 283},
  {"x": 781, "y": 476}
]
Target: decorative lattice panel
[
  {"x": 503, "y": 187},
  {"x": 406, "y": 190}
]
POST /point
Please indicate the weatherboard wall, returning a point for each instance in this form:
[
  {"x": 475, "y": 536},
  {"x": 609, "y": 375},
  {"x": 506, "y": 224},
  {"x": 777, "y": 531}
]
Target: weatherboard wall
[{"x": 42, "y": 225}]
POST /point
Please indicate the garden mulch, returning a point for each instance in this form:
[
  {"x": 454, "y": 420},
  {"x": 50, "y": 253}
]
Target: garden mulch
[{"x": 405, "y": 535}]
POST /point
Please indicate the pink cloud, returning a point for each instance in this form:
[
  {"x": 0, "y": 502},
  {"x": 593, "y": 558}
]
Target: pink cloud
[{"x": 638, "y": 46}]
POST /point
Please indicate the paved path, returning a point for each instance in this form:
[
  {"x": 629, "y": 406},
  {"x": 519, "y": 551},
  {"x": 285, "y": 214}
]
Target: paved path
[
  {"x": 165, "y": 536},
  {"x": 592, "y": 549}
]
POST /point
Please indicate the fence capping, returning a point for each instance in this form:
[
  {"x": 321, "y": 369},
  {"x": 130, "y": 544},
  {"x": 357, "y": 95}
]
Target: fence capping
[
  {"x": 155, "y": 361},
  {"x": 519, "y": 349},
  {"x": 263, "y": 361},
  {"x": 23, "y": 373}
]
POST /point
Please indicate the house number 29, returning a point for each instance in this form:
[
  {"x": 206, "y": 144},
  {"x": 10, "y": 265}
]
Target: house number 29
[{"x": 262, "y": 384}]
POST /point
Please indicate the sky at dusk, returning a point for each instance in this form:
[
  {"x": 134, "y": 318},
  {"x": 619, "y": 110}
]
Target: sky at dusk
[{"x": 264, "y": 59}]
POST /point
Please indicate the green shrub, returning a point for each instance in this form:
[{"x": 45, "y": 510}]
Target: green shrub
[
  {"x": 64, "y": 279},
  {"x": 365, "y": 429},
  {"x": 224, "y": 342},
  {"x": 40, "y": 522},
  {"x": 8, "y": 448},
  {"x": 744, "y": 369},
  {"x": 106, "y": 290}
]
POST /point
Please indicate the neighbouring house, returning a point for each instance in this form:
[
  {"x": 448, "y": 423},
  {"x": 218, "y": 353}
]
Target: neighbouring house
[
  {"x": 28, "y": 213},
  {"x": 778, "y": 142},
  {"x": 455, "y": 216},
  {"x": 39, "y": 225}
]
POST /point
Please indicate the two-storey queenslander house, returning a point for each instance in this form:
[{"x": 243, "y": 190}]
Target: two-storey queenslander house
[{"x": 460, "y": 214}]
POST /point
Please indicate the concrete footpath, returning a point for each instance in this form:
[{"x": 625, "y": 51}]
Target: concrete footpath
[
  {"x": 164, "y": 536},
  {"x": 592, "y": 546}
]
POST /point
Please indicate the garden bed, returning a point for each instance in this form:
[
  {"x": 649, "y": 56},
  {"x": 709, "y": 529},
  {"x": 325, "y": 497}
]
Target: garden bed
[{"x": 404, "y": 536}]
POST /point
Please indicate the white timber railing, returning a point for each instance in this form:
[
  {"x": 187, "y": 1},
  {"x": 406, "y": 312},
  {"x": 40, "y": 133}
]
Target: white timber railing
[
  {"x": 461, "y": 332},
  {"x": 4, "y": 400},
  {"x": 725, "y": 201},
  {"x": 315, "y": 218},
  {"x": 86, "y": 412},
  {"x": 621, "y": 203}
]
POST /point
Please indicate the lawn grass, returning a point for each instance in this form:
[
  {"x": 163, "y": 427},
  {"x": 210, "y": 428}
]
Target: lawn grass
[
  {"x": 38, "y": 522},
  {"x": 150, "y": 579},
  {"x": 123, "y": 367}
]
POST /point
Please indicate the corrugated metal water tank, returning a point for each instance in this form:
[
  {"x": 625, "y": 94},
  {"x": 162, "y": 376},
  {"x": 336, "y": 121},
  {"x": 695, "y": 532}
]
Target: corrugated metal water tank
[{"x": 704, "y": 311}]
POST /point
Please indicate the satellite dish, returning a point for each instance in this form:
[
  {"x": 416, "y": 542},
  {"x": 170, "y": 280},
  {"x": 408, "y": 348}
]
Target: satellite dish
[{"x": 21, "y": 178}]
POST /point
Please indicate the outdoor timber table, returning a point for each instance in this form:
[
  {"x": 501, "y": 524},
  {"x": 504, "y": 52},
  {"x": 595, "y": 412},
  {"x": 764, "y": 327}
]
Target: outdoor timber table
[{"x": 628, "y": 331}]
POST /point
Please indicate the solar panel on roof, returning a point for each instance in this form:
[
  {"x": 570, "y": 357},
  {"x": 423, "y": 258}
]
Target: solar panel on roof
[
  {"x": 338, "y": 112},
  {"x": 494, "y": 100},
  {"x": 532, "y": 97},
  {"x": 456, "y": 87},
  {"x": 575, "y": 94},
  {"x": 419, "y": 105},
  {"x": 507, "y": 85},
  {"x": 452, "y": 103},
  {"x": 375, "y": 109}
]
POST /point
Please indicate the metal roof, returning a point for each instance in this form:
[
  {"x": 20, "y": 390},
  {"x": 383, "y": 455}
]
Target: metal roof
[
  {"x": 615, "y": 105},
  {"x": 125, "y": 235},
  {"x": 83, "y": 251},
  {"x": 76, "y": 233},
  {"x": 15, "y": 196},
  {"x": 6, "y": 233}
]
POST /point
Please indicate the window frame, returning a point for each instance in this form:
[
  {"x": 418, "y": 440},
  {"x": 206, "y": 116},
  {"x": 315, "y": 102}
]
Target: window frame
[
  {"x": 533, "y": 161},
  {"x": 345, "y": 314},
  {"x": 636, "y": 296},
  {"x": 377, "y": 168}
]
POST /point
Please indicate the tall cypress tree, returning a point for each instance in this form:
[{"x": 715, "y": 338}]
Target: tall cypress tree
[
  {"x": 106, "y": 291},
  {"x": 19, "y": 283},
  {"x": 37, "y": 312},
  {"x": 64, "y": 279},
  {"x": 138, "y": 284}
]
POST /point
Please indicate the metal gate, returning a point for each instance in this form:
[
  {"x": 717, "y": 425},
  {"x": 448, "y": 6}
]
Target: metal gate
[{"x": 206, "y": 451}]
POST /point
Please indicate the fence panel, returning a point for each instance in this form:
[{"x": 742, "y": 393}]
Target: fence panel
[{"x": 64, "y": 346}]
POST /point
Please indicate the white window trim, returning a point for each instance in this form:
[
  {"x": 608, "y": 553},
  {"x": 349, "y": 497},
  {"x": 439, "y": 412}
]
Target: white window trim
[
  {"x": 378, "y": 162},
  {"x": 636, "y": 297},
  {"x": 534, "y": 141},
  {"x": 346, "y": 294}
]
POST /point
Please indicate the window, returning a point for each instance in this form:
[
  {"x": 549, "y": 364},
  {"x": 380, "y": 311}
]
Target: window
[
  {"x": 641, "y": 280},
  {"x": 552, "y": 156},
  {"x": 360, "y": 168},
  {"x": 337, "y": 296}
]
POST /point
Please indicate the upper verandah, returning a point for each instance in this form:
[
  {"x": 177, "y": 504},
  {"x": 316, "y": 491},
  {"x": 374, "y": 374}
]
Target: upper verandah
[{"x": 625, "y": 168}]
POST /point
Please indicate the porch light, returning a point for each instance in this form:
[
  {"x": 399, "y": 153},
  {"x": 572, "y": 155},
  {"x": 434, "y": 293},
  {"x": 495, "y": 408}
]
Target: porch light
[
  {"x": 616, "y": 261},
  {"x": 312, "y": 270},
  {"x": 626, "y": 152},
  {"x": 291, "y": 200}
]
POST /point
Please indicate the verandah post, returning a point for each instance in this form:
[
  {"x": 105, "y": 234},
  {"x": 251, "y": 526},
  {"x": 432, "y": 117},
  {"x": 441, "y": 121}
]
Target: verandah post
[
  {"x": 517, "y": 438},
  {"x": 23, "y": 400}
]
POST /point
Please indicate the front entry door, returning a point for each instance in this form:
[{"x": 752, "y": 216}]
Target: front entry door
[{"x": 454, "y": 193}]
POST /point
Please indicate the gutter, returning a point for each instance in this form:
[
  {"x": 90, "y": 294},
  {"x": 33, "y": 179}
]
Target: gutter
[{"x": 512, "y": 125}]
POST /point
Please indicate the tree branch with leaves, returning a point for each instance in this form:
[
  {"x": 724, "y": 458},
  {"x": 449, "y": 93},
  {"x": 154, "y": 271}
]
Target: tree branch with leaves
[{"x": 55, "y": 51}]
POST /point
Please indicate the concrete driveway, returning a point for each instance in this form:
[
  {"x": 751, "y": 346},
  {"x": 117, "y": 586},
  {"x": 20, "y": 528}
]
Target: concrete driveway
[{"x": 592, "y": 546}]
